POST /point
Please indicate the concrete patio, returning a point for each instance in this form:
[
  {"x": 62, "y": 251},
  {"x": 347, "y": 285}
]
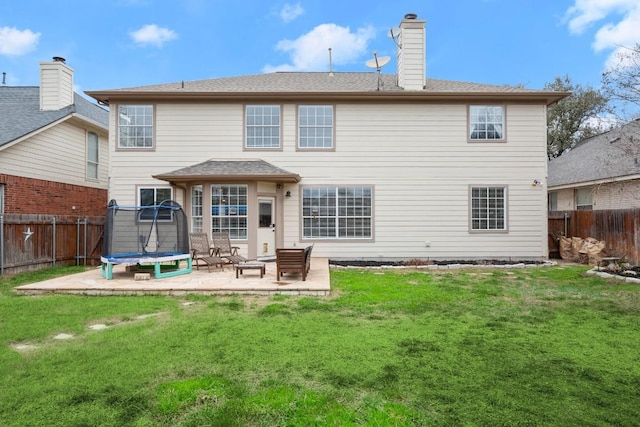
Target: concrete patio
[{"x": 197, "y": 282}]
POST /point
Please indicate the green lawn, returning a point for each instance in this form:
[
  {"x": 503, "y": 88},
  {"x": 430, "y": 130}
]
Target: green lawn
[{"x": 536, "y": 346}]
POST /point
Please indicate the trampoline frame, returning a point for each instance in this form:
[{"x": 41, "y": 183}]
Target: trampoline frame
[{"x": 146, "y": 260}]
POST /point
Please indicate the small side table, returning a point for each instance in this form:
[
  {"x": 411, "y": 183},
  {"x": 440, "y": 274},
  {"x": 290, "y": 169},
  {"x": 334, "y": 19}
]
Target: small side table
[{"x": 254, "y": 265}]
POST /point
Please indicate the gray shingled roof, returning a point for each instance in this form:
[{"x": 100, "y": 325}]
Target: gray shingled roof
[
  {"x": 614, "y": 154},
  {"x": 230, "y": 169},
  {"x": 308, "y": 84},
  {"x": 20, "y": 112},
  {"x": 305, "y": 82}
]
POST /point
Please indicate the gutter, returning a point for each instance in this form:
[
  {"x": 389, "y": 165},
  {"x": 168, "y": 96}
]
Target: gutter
[{"x": 594, "y": 182}]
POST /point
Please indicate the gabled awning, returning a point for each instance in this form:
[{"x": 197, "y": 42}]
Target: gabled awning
[{"x": 230, "y": 171}]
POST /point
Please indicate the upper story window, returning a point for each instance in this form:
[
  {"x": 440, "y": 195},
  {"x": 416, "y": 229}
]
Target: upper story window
[
  {"x": 135, "y": 126},
  {"x": 315, "y": 126},
  {"x": 486, "y": 123},
  {"x": 488, "y": 208},
  {"x": 262, "y": 126},
  {"x": 584, "y": 199},
  {"x": 93, "y": 149}
]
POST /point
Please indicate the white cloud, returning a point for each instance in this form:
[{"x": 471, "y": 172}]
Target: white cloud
[
  {"x": 309, "y": 52},
  {"x": 14, "y": 42},
  {"x": 153, "y": 35},
  {"x": 624, "y": 33},
  {"x": 290, "y": 12},
  {"x": 585, "y": 13},
  {"x": 622, "y": 28}
]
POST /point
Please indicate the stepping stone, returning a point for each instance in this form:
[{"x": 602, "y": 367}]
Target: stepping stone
[
  {"x": 98, "y": 327},
  {"x": 63, "y": 337}
]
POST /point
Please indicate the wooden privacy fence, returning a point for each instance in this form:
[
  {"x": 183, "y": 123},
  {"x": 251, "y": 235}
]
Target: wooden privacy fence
[
  {"x": 30, "y": 242},
  {"x": 618, "y": 229}
]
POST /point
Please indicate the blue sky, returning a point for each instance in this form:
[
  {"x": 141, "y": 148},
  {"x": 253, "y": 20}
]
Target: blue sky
[{"x": 124, "y": 43}]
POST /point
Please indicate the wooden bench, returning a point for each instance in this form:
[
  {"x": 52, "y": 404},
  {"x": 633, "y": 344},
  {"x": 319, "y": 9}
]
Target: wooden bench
[{"x": 293, "y": 260}]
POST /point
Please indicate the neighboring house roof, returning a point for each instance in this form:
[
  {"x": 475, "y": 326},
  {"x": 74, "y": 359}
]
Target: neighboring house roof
[
  {"x": 611, "y": 156},
  {"x": 21, "y": 114},
  {"x": 230, "y": 170},
  {"x": 318, "y": 84}
]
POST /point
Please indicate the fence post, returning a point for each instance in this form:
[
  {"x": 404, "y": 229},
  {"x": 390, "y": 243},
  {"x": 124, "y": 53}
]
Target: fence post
[
  {"x": 78, "y": 241},
  {"x": 85, "y": 241},
  {"x": 54, "y": 241}
]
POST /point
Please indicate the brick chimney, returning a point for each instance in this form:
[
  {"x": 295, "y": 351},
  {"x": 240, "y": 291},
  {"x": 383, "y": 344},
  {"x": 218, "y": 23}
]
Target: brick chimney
[
  {"x": 412, "y": 53},
  {"x": 56, "y": 84}
]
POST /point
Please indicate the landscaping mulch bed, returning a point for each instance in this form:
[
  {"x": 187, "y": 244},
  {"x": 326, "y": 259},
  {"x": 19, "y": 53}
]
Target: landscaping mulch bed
[{"x": 418, "y": 262}]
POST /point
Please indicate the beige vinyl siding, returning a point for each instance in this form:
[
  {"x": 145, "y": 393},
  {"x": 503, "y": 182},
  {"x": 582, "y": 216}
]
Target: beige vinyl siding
[
  {"x": 56, "y": 154},
  {"x": 416, "y": 158}
]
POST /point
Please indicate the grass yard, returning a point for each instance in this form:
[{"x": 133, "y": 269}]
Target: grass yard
[{"x": 535, "y": 346}]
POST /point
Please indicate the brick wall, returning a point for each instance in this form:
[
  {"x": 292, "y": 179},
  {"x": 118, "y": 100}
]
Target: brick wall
[{"x": 36, "y": 196}]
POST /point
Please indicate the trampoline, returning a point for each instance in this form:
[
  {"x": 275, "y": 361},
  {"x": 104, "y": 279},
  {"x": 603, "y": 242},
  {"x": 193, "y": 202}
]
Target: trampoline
[{"x": 151, "y": 237}]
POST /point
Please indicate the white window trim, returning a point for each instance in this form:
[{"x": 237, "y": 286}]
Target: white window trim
[
  {"x": 247, "y": 126},
  {"x": 584, "y": 207},
  {"x": 487, "y": 140},
  {"x": 337, "y": 237},
  {"x": 299, "y": 127},
  {"x": 91, "y": 162},
  {"x": 506, "y": 210},
  {"x": 229, "y": 214},
  {"x": 152, "y": 147},
  {"x": 155, "y": 189},
  {"x": 195, "y": 207}
]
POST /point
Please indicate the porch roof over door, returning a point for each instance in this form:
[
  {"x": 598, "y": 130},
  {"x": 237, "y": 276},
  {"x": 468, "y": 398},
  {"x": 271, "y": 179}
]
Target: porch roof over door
[{"x": 230, "y": 170}]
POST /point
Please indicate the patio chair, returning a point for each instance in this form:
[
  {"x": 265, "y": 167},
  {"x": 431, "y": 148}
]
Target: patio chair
[
  {"x": 201, "y": 252},
  {"x": 223, "y": 249},
  {"x": 293, "y": 260}
]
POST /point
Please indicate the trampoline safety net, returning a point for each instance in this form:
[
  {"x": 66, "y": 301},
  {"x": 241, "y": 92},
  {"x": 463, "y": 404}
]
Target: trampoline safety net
[{"x": 153, "y": 231}]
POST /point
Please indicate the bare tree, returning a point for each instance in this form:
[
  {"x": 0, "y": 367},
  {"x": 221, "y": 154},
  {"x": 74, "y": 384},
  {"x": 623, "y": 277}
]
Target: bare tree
[
  {"x": 622, "y": 81},
  {"x": 571, "y": 119}
]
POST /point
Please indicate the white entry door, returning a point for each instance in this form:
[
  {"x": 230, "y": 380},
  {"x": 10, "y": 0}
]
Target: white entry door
[{"x": 266, "y": 227}]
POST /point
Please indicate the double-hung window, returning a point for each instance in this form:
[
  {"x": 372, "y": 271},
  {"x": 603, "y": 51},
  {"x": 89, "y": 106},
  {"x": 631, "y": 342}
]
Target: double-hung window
[
  {"x": 262, "y": 126},
  {"x": 584, "y": 199},
  {"x": 196, "y": 208},
  {"x": 486, "y": 123},
  {"x": 489, "y": 208},
  {"x": 552, "y": 200},
  {"x": 93, "y": 148},
  {"x": 153, "y": 196},
  {"x": 315, "y": 126},
  {"x": 135, "y": 126},
  {"x": 337, "y": 212},
  {"x": 229, "y": 210}
]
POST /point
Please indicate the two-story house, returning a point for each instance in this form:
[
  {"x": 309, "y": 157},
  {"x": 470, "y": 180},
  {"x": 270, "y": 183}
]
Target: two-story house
[
  {"x": 365, "y": 166},
  {"x": 53, "y": 147}
]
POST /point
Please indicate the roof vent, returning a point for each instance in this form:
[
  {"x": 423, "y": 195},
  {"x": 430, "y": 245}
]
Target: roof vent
[
  {"x": 59, "y": 59},
  {"x": 410, "y": 16}
]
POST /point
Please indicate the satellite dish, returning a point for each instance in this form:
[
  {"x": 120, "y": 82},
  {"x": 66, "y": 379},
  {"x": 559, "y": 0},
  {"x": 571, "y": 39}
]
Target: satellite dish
[
  {"x": 394, "y": 34},
  {"x": 378, "y": 63}
]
